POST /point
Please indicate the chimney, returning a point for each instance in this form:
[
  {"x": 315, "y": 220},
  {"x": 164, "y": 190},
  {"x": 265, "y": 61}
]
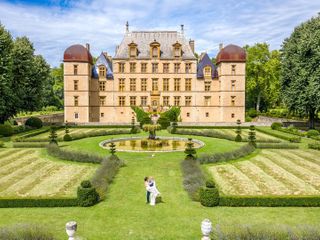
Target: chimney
[
  {"x": 127, "y": 27},
  {"x": 182, "y": 30},
  {"x": 88, "y": 47},
  {"x": 191, "y": 43},
  {"x": 220, "y": 46}
]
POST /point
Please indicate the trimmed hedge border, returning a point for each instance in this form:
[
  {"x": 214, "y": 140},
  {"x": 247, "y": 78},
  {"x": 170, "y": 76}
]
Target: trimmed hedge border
[
  {"x": 29, "y": 202},
  {"x": 270, "y": 201},
  {"x": 274, "y": 134},
  {"x": 212, "y": 127},
  {"x": 24, "y": 138},
  {"x": 99, "y": 126},
  {"x": 205, "y": 133},
  {"x": 30, "y": 144},
  {"x": 277, "y": 146},
  {"x": 98, "y": 133}
]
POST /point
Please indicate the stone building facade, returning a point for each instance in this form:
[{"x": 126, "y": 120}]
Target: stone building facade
[{"x": 154, "y": 70}]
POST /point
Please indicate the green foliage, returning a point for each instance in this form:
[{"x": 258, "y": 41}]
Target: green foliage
[
  {"x": 53, "y": 135},
  {"x": 277, "y": 146},
  {"x": 270, "y": 201},
  {"x": 1, "y": 144},
  {"x": 164, "y": 122},
  {"x": 190, "y": 151},
  {"x": 145, "y": 120},
  {"x": 66, "y": 128},
  {"x": 299, "y": 80},
  {"x": 67, "y": 137},
  {"x": 206, "y": 133},
  {"x": 34, "y": 122},
  {"x": 172, "y": 114},
  {"x": 262, "y": 77},
  {"x": 112, "y": 148},
  {"x": 279, "y": 135},
  {"x": 252, "y": 113},
  {"x": 210, "y": 184},
  {"x": 312, "y": 133},
  {"x": 151, "y": 128},
  {"x": 38, "y": 202},
  {"x": 252, "y": 136},
  {"x": 276, "y": 125},
  {"x": 238, "y": 131},
  {"x": 87, "y": 195},
  {"x": 134, "y": 129},
  {"x": 142, "y": 116},
  {"x": 226, "y": 156},
  {"x": 30, "y": 144},
  {"x": 209, "y": 197},
  {"x": 56, "y": 151},
  {"x": 25, "y": 232},
  {"x": 6, "y": 130},
  {"x": 315, "y": 145},
  {"x": 76, "y": 136},
  {"x": 26, "y": 137},
  {"x": 193, "y": 177},
  {"x": 238, "y": 138}
]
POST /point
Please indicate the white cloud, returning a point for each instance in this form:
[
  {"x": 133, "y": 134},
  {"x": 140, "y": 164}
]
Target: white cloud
[{"x": 101, "y": 23}]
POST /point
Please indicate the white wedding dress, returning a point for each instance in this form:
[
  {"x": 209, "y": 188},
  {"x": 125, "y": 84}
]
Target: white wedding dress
[{"x": 154, "y": 192}]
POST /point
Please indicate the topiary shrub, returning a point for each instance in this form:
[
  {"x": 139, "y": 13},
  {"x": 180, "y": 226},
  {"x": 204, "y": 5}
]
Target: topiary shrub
[
  {"x": 312, "y": 133},
  {"x": 6, "y": 130},
  {"x": 34, "y": 122},
  {"x": 238, "y": 138},
  {"x": 210, "y": 184},
  {"x": 252, "y": 113},
  {"x": 164, "y": 122},
  {"x": 276, "y": 125},
  {"x": 86, "y": 194},
  {"x": 209, "y": 197},
  {"x": 67, "y": 138},
  {"x": 174, "y": 127}
]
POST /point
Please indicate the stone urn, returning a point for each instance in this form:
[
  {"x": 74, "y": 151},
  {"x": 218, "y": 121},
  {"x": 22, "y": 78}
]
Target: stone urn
[
  {"x": 206, "y": 228},
  {"x": 71, "y": 228}
]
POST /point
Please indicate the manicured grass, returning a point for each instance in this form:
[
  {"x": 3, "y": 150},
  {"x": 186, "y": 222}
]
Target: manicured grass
[
  {"x": 271, "y": 172},
  {"x": 124, "y": 214},
  {"x": 24, "y": 173}
]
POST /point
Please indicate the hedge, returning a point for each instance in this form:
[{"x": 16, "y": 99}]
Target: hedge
[
  {"x": 315, "y": 146},
  {"x": 270, "y": 201},
  {"x": 25, "y": 137},
  {"x": 41, "y": 202},
  {"x": 34, "y": 122},
  {"x": 275, "y": 134},
  {"x": 211, "y": 127},
  {"x": 98, "y": 133},
  {"x": 99, "y": 126},
  {"x": 226, "y": 156},
  {"x": 30, "y": 144},
  {"x": 6, "y": 130},
  {"x": 205, "y": 133},
  {"x": 277, "y": 146}
]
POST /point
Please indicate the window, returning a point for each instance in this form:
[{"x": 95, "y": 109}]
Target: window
[
  {"x": 233, "y": 85},
  {"x": 188, "y": 101},
  {"x": 177, "y": 52},
  {"x": 188, "y": 114},
  {"x": 102, "y": 114},
  {"x": 155, "y": 84},
  {"x": 75, "y": 69},
  {"x": 233, "y": 69},
  {"x": 76, "y": 101},
  {"x": 121, "y": 67},
  {"x": 166, "y": 101},
  {"x": 166, "y": 68},
  {"x": 207, "y": 100},
  {"x": 144, "y": 101},
  {"x": 207, "y": 114},
  {"x": 132, "y": 84},
  {"x": 166, "y": 84},
  {"x": 143, "y": 84},
  {"x": 176, "y": 67},
  {"x": 76, "y": 115},
  {"x": 219, "y": 99},
  {"x": 207, "y": 71},
  {"x": 133, "y": 51},
  {"x": 143, "y": 67},
  {"x": 188, "y": 67},
  {"x": 75, "y": 85},
  {"x": 122, "y": 101},
  {"x": 233, "y": 100},
  {"x": 102, "y": 101},
  {"x": 121, "y": 84},
  {"x": 102, "y": 71},
  {"x": 207, "y": 86},
  {"x": 232, "y": 115},
  {"x": 177, "y": 84},
  {"x": 133, "y": 101},
  {"x": 132, "y": 67},
  {"x": 154, "y": 67},
  {"x": 155, "y": 52},
  {"x": 102, "y": 86},
  {"x": 177, "y": 100},
  {"x": 188, "y": 84}
]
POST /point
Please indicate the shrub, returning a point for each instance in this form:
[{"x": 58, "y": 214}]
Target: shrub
[
  {"x": 97, "y": 133},
  {"x": 281, "y": 136},
  {"x": 277, "y": 145},
  {"x": 314, "y": 145},
  {"x": 6, "y": 130},
  {"x": 1, "y": 144},
  {"x": 252, "y": 113},
  {"x": 67, "y": 137},
  {"x": 276, "y": 125},
  {"x": 172, "y": 114},
  {"x": 209, "y": 197},
  {"x": 56, "y": 151},
  {"x": 190, "y": 151},
  {"x": 226, "y": 156},
  {"x": 87, "y": 195},
  {"x": 238, "y": 138},
  {"x": 312, "y": 133},
  {"x": 53, "y": 135},
  {"x": 252, "y": 136},
  {"x": 26, "y": 137},
  {"x": 295, "y": 139},
  {"x": 248, "y": 119},
  {"x": 30, "y": 144},
  {"x": 193, "y": 178},
  {"x": 38, "y": 202},
  {"x": 164, "y": 122},
  {"x": 205, "y": 133},
  {"x": 174, "y": 126},
  {"x": 210, "y": 184},
  {"x": 140, "y": 114},
  {"x": 113, "y": 149},
  {"x": 25, "y": 232},
  {"x": 34, "y": 122}
]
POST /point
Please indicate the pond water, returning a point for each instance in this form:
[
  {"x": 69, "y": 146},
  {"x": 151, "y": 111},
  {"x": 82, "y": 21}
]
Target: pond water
[{"x": 148, "y": 145}]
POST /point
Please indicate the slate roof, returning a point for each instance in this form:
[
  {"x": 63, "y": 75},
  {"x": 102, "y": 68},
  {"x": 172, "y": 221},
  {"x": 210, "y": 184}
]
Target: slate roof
[
  {"x": 103, "y": 60},
  {"x": 206, "y": 61},
  {"x": 144, "y": 38}
]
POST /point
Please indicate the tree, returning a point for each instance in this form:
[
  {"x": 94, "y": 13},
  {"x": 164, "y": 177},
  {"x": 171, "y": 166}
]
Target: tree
[
  {"x": 238, "y": 131},
  {"x": 252, "y": 136},
  {"x": 56, "y": 74},
  {"x": 151, "y": 128},
  {"x": 7, "y": 96},
  {"x": 112, "y": 148},
  {"x": 300, "y": 69},
  {"x": 190, "y": 151},
  {"x": 53, "y": 135},
  {"x": 262, "y": 76}
]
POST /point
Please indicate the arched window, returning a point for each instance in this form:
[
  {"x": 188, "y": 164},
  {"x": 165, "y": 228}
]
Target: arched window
[
  {"x": 154, "y": 52},
  {"x": 102, "y": 71}
]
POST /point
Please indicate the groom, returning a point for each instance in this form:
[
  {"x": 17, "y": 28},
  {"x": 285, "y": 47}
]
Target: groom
[{"x": 146, "y": 184}]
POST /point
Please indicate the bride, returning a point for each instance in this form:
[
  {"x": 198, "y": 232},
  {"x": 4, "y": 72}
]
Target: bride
[{"x": 154, "y": 192}]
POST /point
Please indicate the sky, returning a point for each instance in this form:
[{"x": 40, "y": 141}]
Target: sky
[{"x": 53, "y": 25}]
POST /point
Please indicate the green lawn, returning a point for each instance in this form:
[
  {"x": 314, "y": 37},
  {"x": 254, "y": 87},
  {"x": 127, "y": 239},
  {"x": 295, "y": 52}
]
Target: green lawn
[{"x": 124, "y": 214}]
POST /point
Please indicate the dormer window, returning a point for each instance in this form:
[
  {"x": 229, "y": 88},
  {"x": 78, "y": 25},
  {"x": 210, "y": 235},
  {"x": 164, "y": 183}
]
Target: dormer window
[
  {"x": 207, "y": 71},
  {"x": 154, "y": 52},
  {"x": 102, "y": 71},
  {"x": 177, "y": 49},
  {"x": 132, "y": 50},
  {"x": 154, "y": 49}
]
